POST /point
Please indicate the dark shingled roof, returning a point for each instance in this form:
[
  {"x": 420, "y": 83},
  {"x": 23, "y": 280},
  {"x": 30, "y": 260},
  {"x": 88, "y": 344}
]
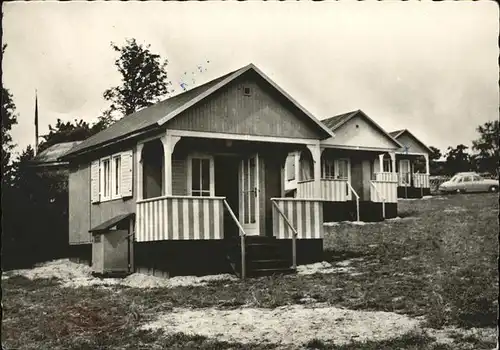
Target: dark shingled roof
[
  {"x": 335, "y": 121},
  {"x": 146, "y": 117},
  {"x": 53, "y": 153}
]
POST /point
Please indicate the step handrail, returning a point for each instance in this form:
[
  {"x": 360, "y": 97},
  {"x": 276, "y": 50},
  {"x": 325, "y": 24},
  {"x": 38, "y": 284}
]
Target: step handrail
[
  {"x": 294, "y": 235},
  {"x": 380, "y": 197},
  {"x": 357, "y": 199},
  {"x": 242, "y": 240}
]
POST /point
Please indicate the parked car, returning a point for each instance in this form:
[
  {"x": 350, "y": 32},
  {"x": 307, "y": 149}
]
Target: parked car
[{"x": 468, "y": 182}]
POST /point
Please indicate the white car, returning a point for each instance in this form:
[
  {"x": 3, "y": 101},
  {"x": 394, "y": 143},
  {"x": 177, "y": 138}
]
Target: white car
[{"x": 468, "y": 182}]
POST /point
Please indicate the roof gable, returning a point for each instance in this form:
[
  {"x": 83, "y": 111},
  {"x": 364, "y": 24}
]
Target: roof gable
[
  {"x": 410, "y": 143},
  {"x": 369, "y": 135},
  {"x": 160, "y": 113},
  {"x": 262, "y": 111}
]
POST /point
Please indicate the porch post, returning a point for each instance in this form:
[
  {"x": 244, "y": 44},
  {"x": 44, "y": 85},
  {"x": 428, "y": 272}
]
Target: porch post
[
  {"x": 138, "y": 161},
  {"x": 393, "y": 165},
  {"x": 381, "y": 163},
  {"x": 316, "y": 156},
  {"x": 169, "y": 143},
  {"x": 427, "y": 170}
]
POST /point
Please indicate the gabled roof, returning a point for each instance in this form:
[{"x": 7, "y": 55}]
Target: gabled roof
[
  {"x": 161, "y": 112},
  {"x": 396, "y": 134},
  {"x": 51, "y": 155},
  {"x": 337, "y": 121}
]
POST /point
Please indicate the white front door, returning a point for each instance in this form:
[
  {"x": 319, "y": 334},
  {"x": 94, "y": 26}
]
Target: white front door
[
  {"x": 249, "y": 195},
  {"x": 404, "y": 171}
]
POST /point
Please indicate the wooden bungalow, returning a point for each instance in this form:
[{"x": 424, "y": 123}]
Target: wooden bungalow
[
  {"x": 353, "y": 182},
  {"x": 412, "y": 165},
  {"x": 201, "y": 172}
]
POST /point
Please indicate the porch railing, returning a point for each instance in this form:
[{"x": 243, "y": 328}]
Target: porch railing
[
  {"x": 376, "y": 196},
  {"x": 242, "y": 239},
  {"x": 387, "y": 189},
  {"x": 357, "y": 200},
  {"x": 305, "y": 215},
  {"x": 335, "y": 190},
  {"x": 421, "y": 180},
  {"x": 386, "y": 176},
  {"x": 305, "y": 189},
  {"x": 294, "y": 235},
  {"x": 179, "y": 218}
]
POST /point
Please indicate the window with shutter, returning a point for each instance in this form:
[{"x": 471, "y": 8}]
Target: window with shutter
[
  {"x": 126, "y": 174},
  {"x": 94, "y": 181}
]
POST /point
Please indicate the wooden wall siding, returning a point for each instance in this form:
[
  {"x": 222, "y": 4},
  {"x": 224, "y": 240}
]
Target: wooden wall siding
[
  {"x": 365, "y": 135},
  {"x": 414, "y": 147},
  {"x": 306, "y": 216},
  {"x": 421, "y": 181},
  {"x": 179, "y": 177},
  {"x": 262, "y": 195},
  {"x": 263, "y": 113},
  {"x": 386, "y": 189},
  {"x": 103, "y": 211},
  {"x": 305, "y": 189},
  {"x": 180, "y": 218},
  {"x": 335, "y": 190},
  {"x": 79, "y": 205}
]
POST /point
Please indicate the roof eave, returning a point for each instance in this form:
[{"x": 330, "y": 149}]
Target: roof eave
[{"x": 75, "y": 154}]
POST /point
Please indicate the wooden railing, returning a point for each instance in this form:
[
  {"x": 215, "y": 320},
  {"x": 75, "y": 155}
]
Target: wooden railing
[
  {"x": 242, "y": 239},
  {"x": 306, "y": 215},
  {"x": 387, "y": 190},
  {"x": 305, "y": 189},
  {"x": 357, "y": 200},
  {"x": 386, "y": 176},
  {"x": 294, "y": 235},
  {"x": 179, "y": 218},
  {"x": 335, "y": 190},
  {"x": 376, "y": 196},
  {"x": 421, "y": 180}
]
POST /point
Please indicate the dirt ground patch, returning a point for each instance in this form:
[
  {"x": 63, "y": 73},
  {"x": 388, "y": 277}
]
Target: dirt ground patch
[{"x": 294, "y": 324}]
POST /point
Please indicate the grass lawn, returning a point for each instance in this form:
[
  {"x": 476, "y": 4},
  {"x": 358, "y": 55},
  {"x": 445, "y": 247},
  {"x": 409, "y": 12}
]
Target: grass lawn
[{"x": 437, "y": 263}]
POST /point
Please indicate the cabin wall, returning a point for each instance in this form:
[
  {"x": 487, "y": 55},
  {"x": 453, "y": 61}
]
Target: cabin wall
[
  {"x": 83, "y": 215},
  {"x": 79, "y": 204},
  {"x": 359, "y": 132},
  {"x": 262, "y": 113}
]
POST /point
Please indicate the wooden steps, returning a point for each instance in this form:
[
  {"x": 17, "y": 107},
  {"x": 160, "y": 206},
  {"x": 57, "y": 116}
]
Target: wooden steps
[{"x": 264, "y": 256}]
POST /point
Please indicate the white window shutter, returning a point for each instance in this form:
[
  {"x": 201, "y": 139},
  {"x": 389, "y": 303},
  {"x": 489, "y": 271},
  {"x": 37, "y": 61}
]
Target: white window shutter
[
  {"x": 126, "y": 174},
  {"x": 94, "y": 181}
]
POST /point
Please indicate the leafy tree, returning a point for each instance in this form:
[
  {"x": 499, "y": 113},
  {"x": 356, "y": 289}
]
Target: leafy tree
[
  {"x": 78, "y": 130},
  {"x": 435, "y": 153},
  {"x": 457, "y": 159},
  {"x": 9, "y": 119},
  {"x": 487, "y": 146},
  {"x": 143, "y": 78}
]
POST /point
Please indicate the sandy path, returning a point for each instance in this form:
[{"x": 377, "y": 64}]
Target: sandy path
[{"x": 293, "y": 324}]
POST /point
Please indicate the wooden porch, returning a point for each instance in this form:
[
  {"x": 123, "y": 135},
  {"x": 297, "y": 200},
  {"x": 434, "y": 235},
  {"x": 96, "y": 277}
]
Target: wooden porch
[{"x": 227, "y": 191}]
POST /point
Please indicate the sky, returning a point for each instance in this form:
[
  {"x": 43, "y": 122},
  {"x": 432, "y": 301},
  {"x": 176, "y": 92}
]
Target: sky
[{"x": 430, "y": 67}]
